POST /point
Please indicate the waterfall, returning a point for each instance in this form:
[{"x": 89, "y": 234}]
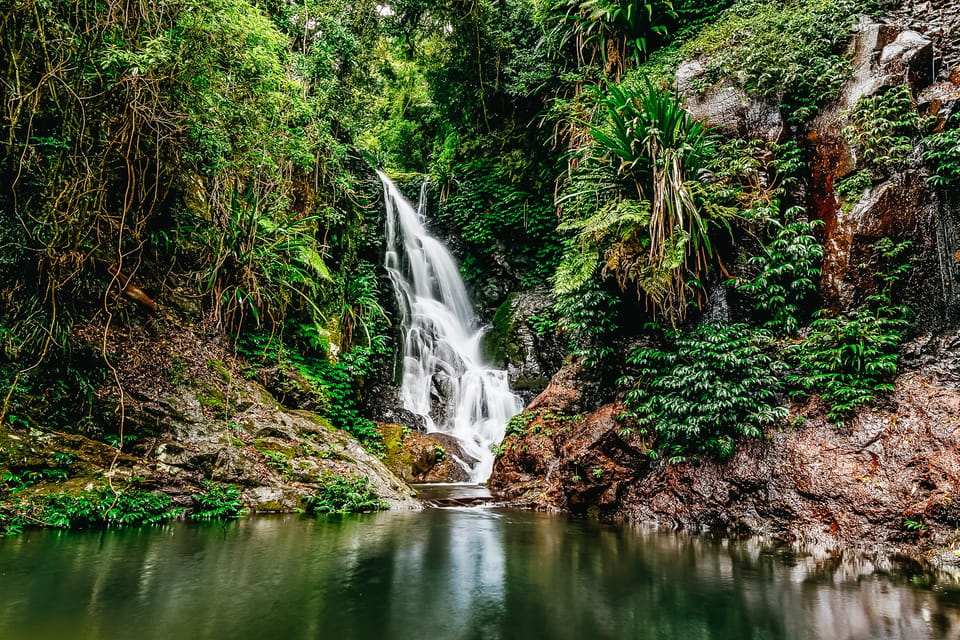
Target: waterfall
[{"x": 445, "y": 377}]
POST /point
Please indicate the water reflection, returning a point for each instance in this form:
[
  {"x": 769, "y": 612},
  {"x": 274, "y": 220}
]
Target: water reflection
[{"x": 452, "y": 573}]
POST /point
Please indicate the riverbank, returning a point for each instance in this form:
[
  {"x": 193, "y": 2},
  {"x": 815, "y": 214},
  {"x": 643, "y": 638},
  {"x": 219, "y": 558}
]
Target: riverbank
[{"x": 886, "y": 480}]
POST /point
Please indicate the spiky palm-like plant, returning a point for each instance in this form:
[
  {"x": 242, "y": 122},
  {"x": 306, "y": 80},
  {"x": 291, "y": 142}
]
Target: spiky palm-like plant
[{"x": 657, "y": 149}]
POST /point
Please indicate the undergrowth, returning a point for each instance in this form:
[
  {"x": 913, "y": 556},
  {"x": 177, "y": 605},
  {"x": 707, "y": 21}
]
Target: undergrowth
[
  {"x": 708, "y": 386},
  {"x": 340, "y": 494}
]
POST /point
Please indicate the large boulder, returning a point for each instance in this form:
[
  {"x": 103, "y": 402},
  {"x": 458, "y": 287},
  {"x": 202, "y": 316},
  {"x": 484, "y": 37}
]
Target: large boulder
[
  {"x": 727, "y": 106},
  {"x": 424, "y": 457}
]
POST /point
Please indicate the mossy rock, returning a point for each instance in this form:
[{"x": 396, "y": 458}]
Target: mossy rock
[
  {"x": 275, "y": 445},
  {"x": 211, "y": 396}
]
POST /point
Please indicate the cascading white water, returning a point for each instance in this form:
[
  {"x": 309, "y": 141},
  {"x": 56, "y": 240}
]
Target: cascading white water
[{"x": 445, "y": 377}]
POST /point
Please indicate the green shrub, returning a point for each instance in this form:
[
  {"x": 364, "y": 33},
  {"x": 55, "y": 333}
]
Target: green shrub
[
  {"x": 588, "y": 315},
  {"x": 217, "y": 502},
  {"x": 942, "y": 152},
  {"x": 852, "y": 358},
  {"x": 789, "y": 268},
  {"x": 338, "y": 494},
  {"x": 96, "y": 508},
  {"x": 882, "y": 127},
  {"x": 852, "y": 187},
  {"x": 648, "y": 218},
  {"x": 712, "y": 384},
  {"x": 502, "y": 213},
  {"x": 619, "y": 30},
  {"x": 335, "y": 384}
]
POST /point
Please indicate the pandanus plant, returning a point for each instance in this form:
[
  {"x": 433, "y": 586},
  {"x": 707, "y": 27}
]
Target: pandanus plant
[{"x": 657, "y": 237}]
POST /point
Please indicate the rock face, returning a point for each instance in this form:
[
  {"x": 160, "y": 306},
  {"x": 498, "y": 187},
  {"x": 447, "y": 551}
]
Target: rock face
[
  {"x": 727, "y": 107},
  {"x": 889, "y": 477},
  {"x": 524, "y": 340},
  {"x": 903, "y": 205}
]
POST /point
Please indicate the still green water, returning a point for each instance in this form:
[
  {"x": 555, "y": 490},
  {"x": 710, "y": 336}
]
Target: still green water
[{"x": 459, "y": 573}]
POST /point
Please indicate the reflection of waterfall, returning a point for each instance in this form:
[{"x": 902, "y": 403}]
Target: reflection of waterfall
[{"x": 445, "y": 378}]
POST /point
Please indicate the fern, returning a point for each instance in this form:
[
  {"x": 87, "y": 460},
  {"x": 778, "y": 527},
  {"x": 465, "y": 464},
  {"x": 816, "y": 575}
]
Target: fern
[{"x": 711, "y": 385}]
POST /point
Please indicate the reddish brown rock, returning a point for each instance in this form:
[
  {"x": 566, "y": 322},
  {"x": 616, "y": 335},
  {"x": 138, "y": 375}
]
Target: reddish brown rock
[{"x": 889, "y": 477}]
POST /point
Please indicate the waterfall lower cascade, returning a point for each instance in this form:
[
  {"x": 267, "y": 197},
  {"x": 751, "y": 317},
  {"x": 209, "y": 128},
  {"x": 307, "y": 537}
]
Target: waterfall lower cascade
[{"x": 445, "y": 377}]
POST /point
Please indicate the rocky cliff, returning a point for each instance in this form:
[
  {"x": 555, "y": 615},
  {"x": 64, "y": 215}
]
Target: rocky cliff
[{"x": 890, "y": 474}]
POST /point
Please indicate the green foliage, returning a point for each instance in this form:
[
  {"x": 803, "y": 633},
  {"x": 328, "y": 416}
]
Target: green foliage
[
  {"x": 501, "y": 216},
  {"x": 851, "y": 359},
  {"x": 338, "y": 494},
  {"x": 217, "y": 502},
  {"x": 588, "y": 315},
  {"x": 62, "y": 394},
  {"x": 518, "y": 424},
  {"x": 258, "y": 262},
  {"x": 618, "y": 30},
  {"x": 942, "y": 153},
  {"x": 661, "y": 241},
  {"x": 99, "y": 507},
  {"x": 277, "y": 460},
  {"x": 882, "y": 127},
  {"x": 789, "y": 268},
  {"x": 788, "y": 51},
  {"x": 712, "y": 384},
  {"x": 853, "y": 186}
]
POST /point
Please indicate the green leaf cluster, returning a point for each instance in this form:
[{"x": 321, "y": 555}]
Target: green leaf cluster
[
  {"x": 883, "y": 127},
  {"x": 340, "y": 494},
  {"x": 650, "y": 220},
  {"x": 712, "y": 384},
  {"x": 942, "y": 153},
  {"x": 99, "y": 507},
  {"x": 217, "y": 502},
  {"x": 788, "y": 272},
  {"x": 851, "y": 359}
]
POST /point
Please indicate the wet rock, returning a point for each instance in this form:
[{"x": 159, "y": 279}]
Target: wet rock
[
  {"x": 382, "y": 403},
  {"x": 886, "y": 55},
  {"x": 904, "y": 207},
  {"x": 889, "y": 477},
  {"x": 525, "y": 341},
  {"x": 936, "y": 356},
  {"x": 727, "y": 106},
  {"x": 423, "y": 457},
  {"x": 940, "y": 100}
]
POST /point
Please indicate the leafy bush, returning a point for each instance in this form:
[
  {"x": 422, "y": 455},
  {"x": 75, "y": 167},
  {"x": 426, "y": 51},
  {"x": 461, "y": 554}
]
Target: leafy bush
[
  {"x": 502, "y": 216},
  {"x": 338, "y": 494},
  {"x": 882, "y": 127},
  {"x": 217, "y": 502},
  {"x": 853, "y": 186},
  {"x": 96, "y": 508},
  {"x": 942, "y": 152},
  {"x": 650, "y": 223},
  {"x": 851, "y": 359},
  {"x": 788, "y": 270},
  {"x": 712, "y": 384},
  {"x": 619, "y": 30},
  {"x": 588, "y": 316}
]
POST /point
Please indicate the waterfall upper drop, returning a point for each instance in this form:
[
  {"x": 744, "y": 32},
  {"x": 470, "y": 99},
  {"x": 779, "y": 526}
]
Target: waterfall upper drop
[{"x": 445, "y": 378}]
